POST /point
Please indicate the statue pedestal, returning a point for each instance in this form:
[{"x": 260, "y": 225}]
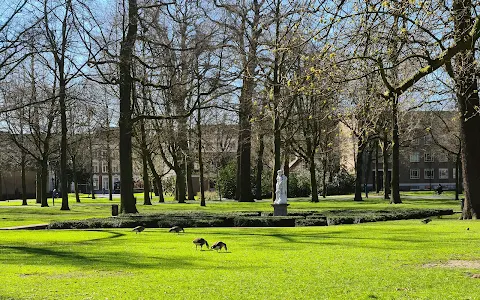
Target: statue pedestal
[{"x": 280, "y": 209}]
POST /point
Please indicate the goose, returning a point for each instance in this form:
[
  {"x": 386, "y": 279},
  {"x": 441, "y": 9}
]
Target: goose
[
  {"x": 200, "y": 242},
  {"x": 138, "y": 229},
  {"x": 177, "y": 229},
  {"x": 219, "y": 245},
  {"x": 426, "y": 221}
]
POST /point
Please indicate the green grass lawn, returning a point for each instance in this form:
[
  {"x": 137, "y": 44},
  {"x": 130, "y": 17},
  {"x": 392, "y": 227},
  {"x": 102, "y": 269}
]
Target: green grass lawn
[
  {"x": 385, "y": 260},
  {"x": 13, "y": 214}
]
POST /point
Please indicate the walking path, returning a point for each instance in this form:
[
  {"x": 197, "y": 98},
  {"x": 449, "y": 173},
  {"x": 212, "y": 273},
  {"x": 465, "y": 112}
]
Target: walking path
[{"x": 26, "y": 227}]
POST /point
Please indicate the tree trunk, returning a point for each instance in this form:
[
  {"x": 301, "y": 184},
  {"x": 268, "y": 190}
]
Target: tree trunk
[
  {"x": 90, "y": 145},
  {"x": 395, "y": 154},
  {"x": 75, "y": 178},
  {"x": 238, "y": 174},
  {"x": 457, "y": 175},
  {"x": 460, "y": 175},
  {"x": 1, "y": 186},
  {"x": 38, "y": 181},
  {"x": 44, "y": 183},
  {"x": 386, "y": 182},
  {"x": 200, "y": 158},
  {"x": 145, "y": 154},
  {"x": 180, "y": 185},
  {"x": 190, "y": 191},
  {"x": 161, "y": 198},
  {"x": 125, "y": 121},
  {"x": 286, "y": 160},
  {"x": 63, "y": 142},
  {"x": 109, "y": 162},
  {"x": 276, "y": 150},
  {"x": 466, "y": 89},
  {"x": 245, "y": 191},
  {"x": 313, "y": 178},
  {"x": 258, "y": 179},
  {"x": 146, "y": 181},
  {"x": 158, "y": 180},
  {"x": 24, "y": 182},
  {"x": 324, "y": 177},
  {"x": 245, "y": 112},
  {"x": 359, "y": 171},
  {"x": 377, "y": 178},
  {"x": 368, "y": 169}
]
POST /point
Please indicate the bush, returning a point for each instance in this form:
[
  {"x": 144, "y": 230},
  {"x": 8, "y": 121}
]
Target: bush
[
  {"x": 168, "y": 185},
  {"x": 264, "y": 222},
  {"x": 343, "y": 183},
  {"x": 249, "y": 219},
  {"x": 317, "y": 221},
  {"x": 227, "y": 181},
  {"x": 298, "y": 185}
]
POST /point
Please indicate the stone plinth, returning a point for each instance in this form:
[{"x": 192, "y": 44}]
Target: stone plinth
[{"x": 280, "y": 209}]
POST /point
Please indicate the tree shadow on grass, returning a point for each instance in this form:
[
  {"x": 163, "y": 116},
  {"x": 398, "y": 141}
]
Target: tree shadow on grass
[
  {"x": 51, "y": 256},
  {"x": 113, "y": 235}
]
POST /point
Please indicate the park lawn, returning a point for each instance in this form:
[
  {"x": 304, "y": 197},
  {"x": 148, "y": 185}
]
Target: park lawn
[
  {"x": 12, "y": 213},
  {"x": 384, "y": 260}
]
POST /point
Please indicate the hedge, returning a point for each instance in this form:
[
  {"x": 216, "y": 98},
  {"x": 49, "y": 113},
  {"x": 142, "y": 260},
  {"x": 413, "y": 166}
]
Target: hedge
[{"x": 250, "y": 219}]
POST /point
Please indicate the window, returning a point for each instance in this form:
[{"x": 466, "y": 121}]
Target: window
[
  {"x": 443, "y": 157},
  {"x": 95, "y": 182},
  {"x": 428, "y": 140},
  {"x": 104, "y": 167},
  {"x": 105, "y": 183},
  {"x": 115, "y": 167},
  {"x": 454, "y": 173},
  {"x": 442, "y": 173},
  {"x": 414, "y": 157},
  {"x": 414, "y": 173},
  {"x": 95, "y": 167},
  {"x": 428, "y": 157},
  {"x": 428, "y": 174}
]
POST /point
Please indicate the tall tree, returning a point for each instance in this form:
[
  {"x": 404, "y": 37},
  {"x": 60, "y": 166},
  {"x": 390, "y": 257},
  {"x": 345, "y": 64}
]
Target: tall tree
[{"x": 125, "y": 122}]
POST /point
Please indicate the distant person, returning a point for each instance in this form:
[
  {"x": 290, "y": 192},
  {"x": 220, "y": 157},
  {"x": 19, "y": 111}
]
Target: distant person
[
  {"x": 439, "y": 189},
  {"x": 104, "y": 191}
]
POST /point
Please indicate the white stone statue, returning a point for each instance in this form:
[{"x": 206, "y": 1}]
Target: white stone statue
[{"x": 281, "y": 188}]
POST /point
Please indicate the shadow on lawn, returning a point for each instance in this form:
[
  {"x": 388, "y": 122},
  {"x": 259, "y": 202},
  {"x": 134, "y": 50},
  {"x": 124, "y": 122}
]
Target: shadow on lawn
[
  {"x": 52, "y": 256},
  {"x": 113, "y": 235}
]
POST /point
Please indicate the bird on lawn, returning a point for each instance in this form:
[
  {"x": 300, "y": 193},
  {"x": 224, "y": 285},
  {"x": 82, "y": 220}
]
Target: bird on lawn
[
  {"x": 177, "y": 229},
  {"x": 138, "y": 229},
  {"x": 426, "y": 221},
  {"x": 200, "y": 242},
  {"x": 219, "y": 245}
]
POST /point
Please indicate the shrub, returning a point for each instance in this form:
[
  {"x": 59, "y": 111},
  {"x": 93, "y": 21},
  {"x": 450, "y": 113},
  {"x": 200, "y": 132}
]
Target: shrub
[
  {"x": 298, "y": 185},
  {"x": 249, "y": 219},
  {"x": 319, "y": 221},
  {"x": 227, "y": 180},
  {"x": 342, "y": 183},
  {"x": 168, "y": 185},
  {"x": 264, "y": 222}
]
